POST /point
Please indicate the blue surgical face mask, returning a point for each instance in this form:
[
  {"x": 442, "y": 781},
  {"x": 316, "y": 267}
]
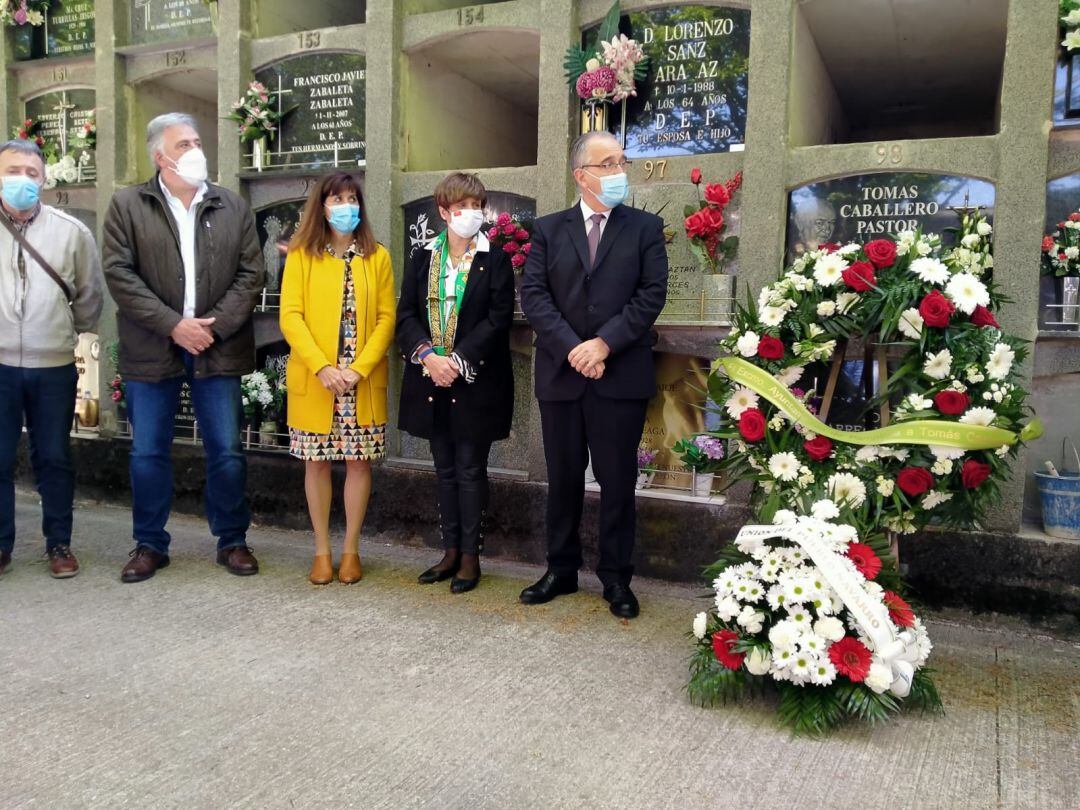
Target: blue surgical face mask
[
  {"x": 614, "y": 189},
  {"x": 20, "y": 192},
  {"x": 343, "y": 218}
]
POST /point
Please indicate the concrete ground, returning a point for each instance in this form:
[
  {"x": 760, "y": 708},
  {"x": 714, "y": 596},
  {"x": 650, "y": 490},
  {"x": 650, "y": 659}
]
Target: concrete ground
[{"x": 201, "y": 689}]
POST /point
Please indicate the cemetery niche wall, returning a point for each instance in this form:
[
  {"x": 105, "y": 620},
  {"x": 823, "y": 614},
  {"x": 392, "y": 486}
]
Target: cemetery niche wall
[{"x": 68, "y": 30}]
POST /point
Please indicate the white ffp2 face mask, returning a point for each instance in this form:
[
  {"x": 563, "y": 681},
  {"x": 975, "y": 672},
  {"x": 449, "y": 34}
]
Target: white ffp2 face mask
[
  {"x": 191, "y": 167},
  {"x": 466, "y": 222}
]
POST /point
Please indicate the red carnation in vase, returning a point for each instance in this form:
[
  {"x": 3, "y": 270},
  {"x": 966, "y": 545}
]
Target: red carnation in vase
[
  {"x": 859, "y": 276},
  {"x": 770, "y": 348},
  {"x": 1048, "y": 244},
  {"x": 984, "y": 317},
  {"x": 818, "y": 448},
  {"x": 899, "y": 610},
  {"x": 936, "y": 309},
  {"x": 752, "y": 425},
  {"x": 880, "y": 252},
  {"x": 973, "y": 473},
  {"x": 722, "y": 643},
  {"x": 914, "y": 481},
  {"x": 951, "y": 402},
  {"x": 866, "y": 561},
  {"x": 851, "y": 658},
  {"x": 717, "y": 194},
  {"x": 695, "y": 176},
  {"x": 1074, "y": 217}
]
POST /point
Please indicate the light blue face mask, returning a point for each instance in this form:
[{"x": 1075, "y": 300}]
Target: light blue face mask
[
  {"x": 20, "y": 192},
  {"x": 344, "y": 218},
  {"x": 614, "y": 189}
]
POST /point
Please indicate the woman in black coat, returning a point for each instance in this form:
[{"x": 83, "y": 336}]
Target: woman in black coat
[{"x": 453, "y": 329}]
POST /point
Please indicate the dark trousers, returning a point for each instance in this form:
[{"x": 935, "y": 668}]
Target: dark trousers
[
  {"x": 608, "y": 430},
  {"x": 45, "y": 397},
  {"x": 461, "y": 474},
  {"x": 218, "y": 407}
]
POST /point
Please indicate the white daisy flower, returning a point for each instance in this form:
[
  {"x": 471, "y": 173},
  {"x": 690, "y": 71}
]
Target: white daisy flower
[
  {"x": 740, "y": 401},
  {"x": 929, "y": 270},
  {"x": 847, "y": 487},
  {"x": 1000, "y": 362},
  {"x": 781, "y": 659},
  {"x": 784, "y": 466},
  {"x": 747, "y": 344},
  {"x": 967, "y": 292},
  {"x": 700, "y": 624},
  {"x": 828, "y": 269},
  {"x": 790, "y": 375},
  {"x": 772, "y": 316},
  {"x": 823, "y": 672},
  {"x": 978, "y": 416},
  {"x": 938, "y": 365},
  {"x": 911, "y": 323},
  {"x": 800, "y": 665}
]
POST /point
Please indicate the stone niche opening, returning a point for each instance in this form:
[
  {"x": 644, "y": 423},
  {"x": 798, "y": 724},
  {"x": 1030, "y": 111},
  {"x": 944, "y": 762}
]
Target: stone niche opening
[
  {"x": 275, "y": 18},
  {"x": 190, "y": 91},
  {"x": 471, "y": 101},
  {"x": 871, "y": 70}
]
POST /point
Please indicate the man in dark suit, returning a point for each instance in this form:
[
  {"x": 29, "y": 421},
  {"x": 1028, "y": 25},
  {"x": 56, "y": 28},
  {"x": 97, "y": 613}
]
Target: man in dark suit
[{"x": 595, "y": 282}]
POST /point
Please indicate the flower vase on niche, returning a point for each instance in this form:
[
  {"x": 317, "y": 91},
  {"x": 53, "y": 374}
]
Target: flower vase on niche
[
  {"x": 705, "y": 224},
  {"x": 260, "y": 154},
  {"x": 594, "y": 115},
  {"x": 268, "y": 432},
  {"x": 703, "y": 484},
  {"x": 1061, "y": 259}
]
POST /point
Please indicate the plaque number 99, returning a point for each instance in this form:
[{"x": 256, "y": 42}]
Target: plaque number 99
[
  {"x": 654, "y": 169},
  {"x": 889, "y": 153}
]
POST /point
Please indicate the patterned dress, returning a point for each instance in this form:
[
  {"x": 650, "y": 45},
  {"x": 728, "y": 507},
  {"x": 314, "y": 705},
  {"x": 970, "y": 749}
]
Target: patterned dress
[{"x": 347, "y": 440}]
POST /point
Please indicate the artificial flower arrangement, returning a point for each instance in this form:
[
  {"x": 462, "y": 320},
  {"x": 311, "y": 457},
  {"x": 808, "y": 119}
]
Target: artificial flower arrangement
[
  {"x": 59, "y": 169},
  {"x": 255, "y": 113},
  {"x": 705, "y": 224},
  {"x": 262, "y": 395},
  {"x": 701, "y": 454},
  {"x": 117, "y": 387},
  {"x": 23, "y": 12},
  {"x": 1061, "y": 249},
  {"x": 609, "y": 73},
  {"x": 795, "y": 603},
  {"x": 513, "y": 237},
  {"x": 1069, "y": 12}
]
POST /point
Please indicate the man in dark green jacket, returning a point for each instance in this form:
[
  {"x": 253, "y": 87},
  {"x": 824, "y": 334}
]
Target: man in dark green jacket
[{"x": 183, "y": 263}]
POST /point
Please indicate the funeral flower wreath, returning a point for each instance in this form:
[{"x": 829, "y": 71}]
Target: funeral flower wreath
[{"x": 810, "y": 604}]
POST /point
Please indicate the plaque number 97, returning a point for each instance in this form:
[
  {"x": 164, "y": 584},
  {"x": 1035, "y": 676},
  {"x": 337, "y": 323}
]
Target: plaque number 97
[
  {"x": 889, "y": 153},
  {"x": 655, "y": 168}
]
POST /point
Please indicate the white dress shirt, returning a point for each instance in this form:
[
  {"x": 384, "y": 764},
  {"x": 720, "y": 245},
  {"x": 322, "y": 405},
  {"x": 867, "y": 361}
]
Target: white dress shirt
[
  {"x": 186, "y": 223},
  {"x": 588, "y": 212}
]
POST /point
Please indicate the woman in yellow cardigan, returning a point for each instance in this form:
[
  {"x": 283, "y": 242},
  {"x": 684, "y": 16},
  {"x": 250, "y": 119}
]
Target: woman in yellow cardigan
[{"x": 337, "y": 313}]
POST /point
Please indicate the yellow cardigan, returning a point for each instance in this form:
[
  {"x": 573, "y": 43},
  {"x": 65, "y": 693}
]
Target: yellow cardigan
[{"x": 310, "y": 316}]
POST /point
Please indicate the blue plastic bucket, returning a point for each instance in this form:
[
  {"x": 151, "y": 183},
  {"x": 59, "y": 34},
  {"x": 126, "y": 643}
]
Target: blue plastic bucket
[{"x": 1060, "y": 496}]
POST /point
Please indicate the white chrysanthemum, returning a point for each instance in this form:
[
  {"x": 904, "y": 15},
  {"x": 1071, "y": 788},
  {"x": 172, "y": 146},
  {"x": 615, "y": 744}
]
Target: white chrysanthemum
[
  {"x": 938, "y": 366},
  {"x": 849, "y": 248},
  {"x": 700, "y": 625},
  {"x": 867, "y": 454},
  {"x": 747, "y": 344},
  {"x": 824, "y": 510},
  {"x": 941, "y": 451},
  {"x": 931, "y": 271},
  {"x": 790, "y": 375},
  {"x": 828, "y": 269},
  {"x": 740, "y": 401},
  {"x": 727, "y": 608},
  {"x": 783, "y": 517},
  {"x": 911, "y": 323},
  {"x": 978, "y": 416},
  {"x": 829, "y": 628},
  {"x": 880, "y": 676},
  {"x": 917, "y": 402},
  {"x": 772, "y": 316},
  {"x": 783, "y": 635},
  {"x": 885, "y": 486},
  {"x": 847, "y": 487},
  {"x": 967, "y": 292},
  {"x": 1000, "y": 362},
  {"x": 784, "y": 466},
  {"x": 758, "y": 661},
  {"x": 751, "y": 620},
  {"x": 768, "y": 296},
  {"x": 826, "y": 309},
  {"x": 935, "y": 498},
  {"x": 942, "y": 466}
]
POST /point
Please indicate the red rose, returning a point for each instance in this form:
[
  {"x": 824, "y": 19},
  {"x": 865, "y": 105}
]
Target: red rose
[
  {"x": 504, "y": 219},
  {"x": 859, "y": 276},
  {"x": 522, "y": 235},
  {"x": 704, "y": 223},
  {"x": 851, "y": 658},
  {"x": 717, "y": 194},
  {"x": 951, "y": 402},
  {"x": 526, "y": 248},
  {"x": 517, "y": 260},
  {"x": 914, "y": 481},
  {"x": 511, "y": 247},
  {"x": 880, "y": 252},
  {"x": 1074, "y": 217},
  {"x": 866, "y": 561},
  {"x": 695, "y": 176},
  {"x": 770, "y": 348},
  {"x": 493, "y": 233},
  {"x": 829, "y": 247},
  {"x": 973, "y": 473},
  {"x": 722, "y": 643},
  {"x": 1048, "y": 244},
  {"x": 509, "y": 229},
  {"x": 936, "y": 309},
  {"x": 899, "y": 610},
  {"x": 818, "y": 448},
  {"x": 984, "y": 317},
  {"x": 752, "y": 425}
]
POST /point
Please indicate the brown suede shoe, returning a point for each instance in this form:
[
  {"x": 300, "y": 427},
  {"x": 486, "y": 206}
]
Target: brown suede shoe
[
  {"x": 349, "y": 571},
  {"x": 239, "y": 560},
  {"x": 5, "y": 561},
  {"x": 144, "y": 563},
  {"x": 62, "y": 563}
]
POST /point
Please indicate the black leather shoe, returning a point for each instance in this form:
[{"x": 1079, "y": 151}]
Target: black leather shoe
[
  {"x": 458, "y": 585},
  {"x": 435, "y": 574},
  {"x": 622, "y": 600},
  {"x": 547, "y": 588}
]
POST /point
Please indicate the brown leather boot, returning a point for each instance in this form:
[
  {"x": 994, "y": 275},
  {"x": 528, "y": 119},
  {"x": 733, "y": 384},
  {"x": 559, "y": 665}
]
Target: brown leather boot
[
  {"x": 62, "y": 563},
  {"x": 349, "y": 571},
  {"x": 144, "y": 563},
  {"x": 322, "y": 570},
  {"x": 239, "y": 560}
]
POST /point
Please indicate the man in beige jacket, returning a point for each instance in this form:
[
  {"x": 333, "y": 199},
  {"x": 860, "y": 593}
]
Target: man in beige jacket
[{"x": 38, "y": 332}]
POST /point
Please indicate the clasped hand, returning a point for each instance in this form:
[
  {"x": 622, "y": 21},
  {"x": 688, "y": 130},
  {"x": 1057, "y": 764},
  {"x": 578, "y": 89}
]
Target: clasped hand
[
  {"x": 338, "y": 380},
  {"x": 588, "y": 358},
  {"x": 193, "y": 334},
  {"x": 442, "y": 370}
]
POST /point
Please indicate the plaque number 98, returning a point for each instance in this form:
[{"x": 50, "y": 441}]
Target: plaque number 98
[
  {"x": 889, "y": 153},
  {"x": 655, "y": 168}
]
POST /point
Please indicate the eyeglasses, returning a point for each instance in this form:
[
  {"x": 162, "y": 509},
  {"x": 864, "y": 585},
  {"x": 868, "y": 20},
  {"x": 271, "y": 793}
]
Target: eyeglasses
[{"x": 623, "y": 164}]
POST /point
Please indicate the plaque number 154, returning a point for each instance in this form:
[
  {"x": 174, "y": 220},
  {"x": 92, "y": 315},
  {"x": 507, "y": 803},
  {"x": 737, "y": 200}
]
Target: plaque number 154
[{"x": 470, "y": 16}]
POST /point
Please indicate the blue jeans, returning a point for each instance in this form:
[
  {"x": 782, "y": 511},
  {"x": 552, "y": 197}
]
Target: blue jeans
[
  {"x": 218, "y": 408},
  {"x": 46, "y": 398}
]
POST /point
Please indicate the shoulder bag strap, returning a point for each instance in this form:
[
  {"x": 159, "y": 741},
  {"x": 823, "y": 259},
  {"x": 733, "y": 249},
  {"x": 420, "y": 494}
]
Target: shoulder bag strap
[{"x": 21, "y": 239}]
